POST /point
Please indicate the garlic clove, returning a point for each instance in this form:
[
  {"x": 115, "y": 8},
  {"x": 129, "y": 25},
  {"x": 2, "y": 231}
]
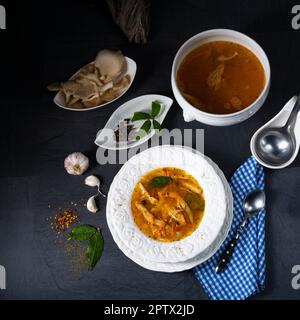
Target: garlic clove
[
  {"x": 101, "y": 193},
  {"x": 92, "y": 181},
  {"x": 76, "y": 163},
  {"x": 91, "y": 205}
]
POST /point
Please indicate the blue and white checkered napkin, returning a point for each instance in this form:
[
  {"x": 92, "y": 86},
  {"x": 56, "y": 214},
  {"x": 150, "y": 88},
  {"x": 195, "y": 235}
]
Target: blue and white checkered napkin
[{"x": 245, "y": 274}]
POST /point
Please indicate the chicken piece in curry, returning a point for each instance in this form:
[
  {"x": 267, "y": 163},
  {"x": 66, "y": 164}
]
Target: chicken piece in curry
[{"x": 167, "y": 204}]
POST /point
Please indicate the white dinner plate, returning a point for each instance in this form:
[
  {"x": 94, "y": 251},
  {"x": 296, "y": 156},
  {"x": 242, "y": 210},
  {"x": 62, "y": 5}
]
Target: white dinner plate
[
  {"x": 184, "y": 265},
  {"x": 215, "y": 204}
]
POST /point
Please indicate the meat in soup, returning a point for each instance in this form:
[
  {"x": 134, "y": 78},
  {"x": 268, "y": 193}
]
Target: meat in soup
[{"x": 167, "y": 204}]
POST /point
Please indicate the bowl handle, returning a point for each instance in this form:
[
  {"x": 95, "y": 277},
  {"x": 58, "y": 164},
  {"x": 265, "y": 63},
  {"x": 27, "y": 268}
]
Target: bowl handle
[{"x": 188, "y": 116}]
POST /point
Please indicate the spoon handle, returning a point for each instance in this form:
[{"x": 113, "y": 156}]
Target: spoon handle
[
  {"x": 226, "y": 255},
  {"x": 293, "y": 116}
]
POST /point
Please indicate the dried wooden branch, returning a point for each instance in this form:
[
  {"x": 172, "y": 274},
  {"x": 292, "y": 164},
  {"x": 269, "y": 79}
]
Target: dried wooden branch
[{"x": 132, "y": 16}]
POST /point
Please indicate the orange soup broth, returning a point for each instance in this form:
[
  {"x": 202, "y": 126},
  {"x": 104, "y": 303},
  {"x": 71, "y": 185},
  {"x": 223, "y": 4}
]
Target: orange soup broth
[
  {"x": 221, "y": 77},
  {"x": 176, "y": 232}
]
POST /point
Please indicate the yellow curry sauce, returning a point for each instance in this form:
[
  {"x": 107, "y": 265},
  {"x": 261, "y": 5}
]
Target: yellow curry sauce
[
  {"x": 221, "y": 77},
  {"x": 167, "y": 204}
]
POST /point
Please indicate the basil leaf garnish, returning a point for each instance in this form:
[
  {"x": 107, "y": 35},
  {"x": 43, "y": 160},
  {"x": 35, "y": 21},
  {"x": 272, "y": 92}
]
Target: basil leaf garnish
[
  {"x": 155, "y": 109},
  {"x": 156, "y": 125},
  {"x": 160, "y": 181},
  {"x": 140, "y": 116}
]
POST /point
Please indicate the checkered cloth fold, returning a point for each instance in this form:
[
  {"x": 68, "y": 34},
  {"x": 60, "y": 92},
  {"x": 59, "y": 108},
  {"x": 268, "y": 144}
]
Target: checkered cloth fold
[{"x": 245, "y": 274}]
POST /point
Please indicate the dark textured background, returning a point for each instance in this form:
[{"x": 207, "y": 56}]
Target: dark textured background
[{"x": 48, "y": 41}]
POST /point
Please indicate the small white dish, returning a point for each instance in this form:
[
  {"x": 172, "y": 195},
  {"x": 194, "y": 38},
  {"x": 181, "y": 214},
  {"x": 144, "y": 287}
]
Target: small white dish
[
  {"x": 184, "y": 265},
  {"x": 119, "y": 203},
  {"x": 106, "y": 137},
  {"x": 279, "y": 121},
  {"x": 191, "y": 113},
  {"x": 59, "y": 99}
]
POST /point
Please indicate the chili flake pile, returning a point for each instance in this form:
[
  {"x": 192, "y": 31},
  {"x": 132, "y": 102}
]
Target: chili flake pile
[{"x": 64, "y": 220}]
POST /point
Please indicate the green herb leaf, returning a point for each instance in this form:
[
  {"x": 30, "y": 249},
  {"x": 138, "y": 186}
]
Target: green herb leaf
[
  {"x": 155, "y": 109},
  {"x": 82, "y": 232},
  {"x": 144, "y": 130},
  {"x": 95, "y": 249},
  {"x": 195, "y": 201},
  {"x": 146, "y": 126},
  {"x": 156, "y": 125},
  {"x": 140, "y": 116},
  {"x": 160, "y": 181}
]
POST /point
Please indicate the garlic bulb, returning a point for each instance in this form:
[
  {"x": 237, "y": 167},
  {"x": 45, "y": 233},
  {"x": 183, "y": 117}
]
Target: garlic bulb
[
  {"x": 91, "y": 205},
  {"x": 76, "y": 163},
  {"x": 92, "y": 181}
]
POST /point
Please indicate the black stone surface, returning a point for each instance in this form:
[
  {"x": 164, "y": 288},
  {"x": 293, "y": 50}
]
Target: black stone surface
[{"x": 48, "y": 41}]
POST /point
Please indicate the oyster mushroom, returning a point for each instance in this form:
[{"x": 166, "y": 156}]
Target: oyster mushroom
[
  {"x": 105, "y": 87},
  {"x": 111, "y": 64},
  {"x": 110, "y": 95},
  {"x": 85, "y": 90},
  {"x": 89, "y": 68},
  {"x": 92, "y": 102},
  {"x": 121, "y": 84},
  {"x": 76, "y": 105},
  {"x": 68, "y": 88},
  {"x": 95, "y": 83},
  {"x": 90, "y": 76},
  {"x": 110, "y": 91},
  {"x": 56, "y": 86}
]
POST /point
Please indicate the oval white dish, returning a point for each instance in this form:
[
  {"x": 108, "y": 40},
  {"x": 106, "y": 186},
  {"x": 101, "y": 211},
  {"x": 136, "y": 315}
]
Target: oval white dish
[
  {"x": 188, "y": 264},
  {"x": 215, "y": 203},
  {"x": 106, "y": 137},
  {"x": 191, "y": 113},
  {"x": 59, "y": 99},
  {"x": 279, "y": 120}
]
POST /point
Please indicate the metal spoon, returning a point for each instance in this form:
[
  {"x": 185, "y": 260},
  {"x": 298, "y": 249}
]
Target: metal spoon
[
  {"x": 253, "y": 203},
  {"x": 276, "y": 146}
]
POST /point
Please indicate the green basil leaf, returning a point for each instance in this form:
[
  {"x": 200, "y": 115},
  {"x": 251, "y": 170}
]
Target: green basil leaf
[
  {"x": 160, "y": 181},
  {"x": 155, "y": 109},
  {"x": 95, "y": 249},
  {"x": 140, "y": 116},
  {"x": 156, "y": 125},
  {"x": 144, "y": 130},
  {"x": 146, "y": 126},
  {"x": 82, "y": 232}
]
